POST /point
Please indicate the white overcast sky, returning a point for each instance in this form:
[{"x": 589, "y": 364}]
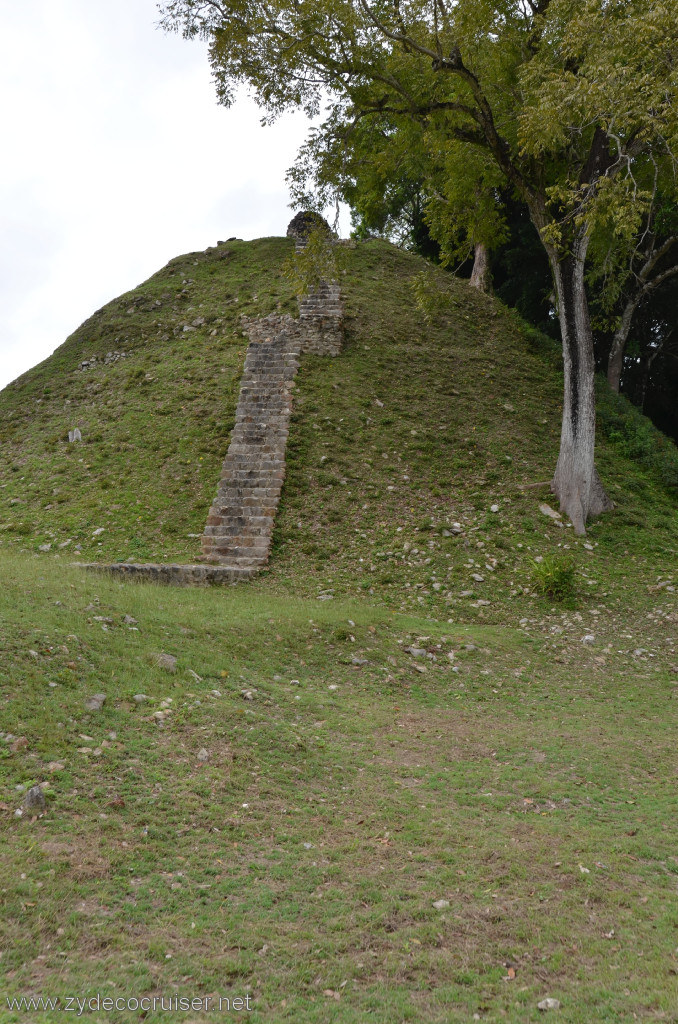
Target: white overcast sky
[{"x": 115, "y": 158}]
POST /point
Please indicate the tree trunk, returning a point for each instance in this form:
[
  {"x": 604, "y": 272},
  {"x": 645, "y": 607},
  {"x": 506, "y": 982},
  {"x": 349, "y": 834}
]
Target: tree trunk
[
  {"x": 646, "y": 372},
  {"x": 615, "y": 362},
  {"x": 576, "y": 482},
  {"x": 481, "y": 275}
]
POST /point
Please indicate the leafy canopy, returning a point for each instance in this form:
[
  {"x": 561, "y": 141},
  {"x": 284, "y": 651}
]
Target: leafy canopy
[{"x": 564, "y": 99}]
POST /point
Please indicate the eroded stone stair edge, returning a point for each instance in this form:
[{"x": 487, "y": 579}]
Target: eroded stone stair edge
[{"x": 161, "y": 572}]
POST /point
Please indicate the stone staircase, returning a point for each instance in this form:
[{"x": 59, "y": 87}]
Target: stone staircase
[{"x": 240, "y": 522}]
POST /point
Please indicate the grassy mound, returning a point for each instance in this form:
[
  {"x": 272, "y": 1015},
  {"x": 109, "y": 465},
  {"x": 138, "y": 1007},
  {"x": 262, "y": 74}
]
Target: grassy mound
[
  {"x": 435, "y": 414},
  {"x": 423, "y": 767}
]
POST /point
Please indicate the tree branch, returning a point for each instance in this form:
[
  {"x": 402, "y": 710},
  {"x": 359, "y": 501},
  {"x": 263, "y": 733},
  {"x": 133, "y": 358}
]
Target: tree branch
[{"x": 655, "y": 257}]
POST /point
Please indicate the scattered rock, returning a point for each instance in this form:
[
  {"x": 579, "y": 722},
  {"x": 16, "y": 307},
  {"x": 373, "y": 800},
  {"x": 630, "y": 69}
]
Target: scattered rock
[
  {"x": 549, "y": 1004},
  {"x": 65, "y": 543},
  {"x": 477, "y": 577},
  {"x": 441, "y": 904},
  {"x": 44, "y": 547},
  {"x": 129, "y": 620},
  {"x": 494, "y": 508},
  {"x": 95, "y": 702},
  {"x": 110, "y": 357},
  {"x": 548, "y": 511},
  {"x": 588, "y": 639},
  {"x": 416, "y": 652},
  {"x": 203, "y": 754},
  {"x": 74, "y": 435},
  {"x": 99, "y": 531},
  {"x": 166, "y": 661},
  {"x": 359, "y": 661},
  {"x": 55, "y": 766},
  {"x": 34, "y": 799},
  {"x": 248, "y": 694},
  {"x": 139, "y": 698}
]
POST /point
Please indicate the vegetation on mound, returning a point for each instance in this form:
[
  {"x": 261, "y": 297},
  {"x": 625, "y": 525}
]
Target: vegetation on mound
[{"x": 434, "y": 415}]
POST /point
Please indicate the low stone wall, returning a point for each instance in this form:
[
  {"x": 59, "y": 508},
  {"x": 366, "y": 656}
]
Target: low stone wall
[{"x": 182, "y": 575}]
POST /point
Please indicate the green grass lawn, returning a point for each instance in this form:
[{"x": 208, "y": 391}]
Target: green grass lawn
[{"x": 314, "y": 790}]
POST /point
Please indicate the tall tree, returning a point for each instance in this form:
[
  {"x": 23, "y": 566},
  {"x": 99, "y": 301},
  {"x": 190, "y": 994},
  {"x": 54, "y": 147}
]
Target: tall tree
[{"x": 560, "y": 97}]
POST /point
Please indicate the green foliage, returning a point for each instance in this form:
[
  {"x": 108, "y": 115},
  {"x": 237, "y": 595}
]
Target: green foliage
[
  {"x": 432, "y": 298},
  {"x": 554, "y": 577},
  {"x": 527, "y": 96},
  {"x": 307, "y": 267}
]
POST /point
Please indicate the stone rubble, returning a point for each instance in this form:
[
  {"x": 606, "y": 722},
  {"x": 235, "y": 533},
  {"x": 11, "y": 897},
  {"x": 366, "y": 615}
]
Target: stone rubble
[{"x": 110, "y": 357}]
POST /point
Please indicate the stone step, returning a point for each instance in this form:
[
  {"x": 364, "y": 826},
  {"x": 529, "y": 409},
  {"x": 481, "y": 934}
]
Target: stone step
[
  {"x": 239, "y": 530},
  {"x": 237, "y": 554}
]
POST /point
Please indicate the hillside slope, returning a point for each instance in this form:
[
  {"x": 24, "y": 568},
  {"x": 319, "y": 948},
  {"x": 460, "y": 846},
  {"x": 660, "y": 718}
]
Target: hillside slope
[
  {"x": 423, "y": 422},
  {"x": 386, "y": 779}
]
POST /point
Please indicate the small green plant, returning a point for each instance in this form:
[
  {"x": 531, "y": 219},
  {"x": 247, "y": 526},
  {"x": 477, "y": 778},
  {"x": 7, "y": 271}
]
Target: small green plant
[{"x": 554, "y": 577}]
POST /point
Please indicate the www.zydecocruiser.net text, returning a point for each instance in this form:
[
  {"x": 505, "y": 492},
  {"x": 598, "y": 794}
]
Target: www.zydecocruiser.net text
[{"x": 81, "y": 1005}]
